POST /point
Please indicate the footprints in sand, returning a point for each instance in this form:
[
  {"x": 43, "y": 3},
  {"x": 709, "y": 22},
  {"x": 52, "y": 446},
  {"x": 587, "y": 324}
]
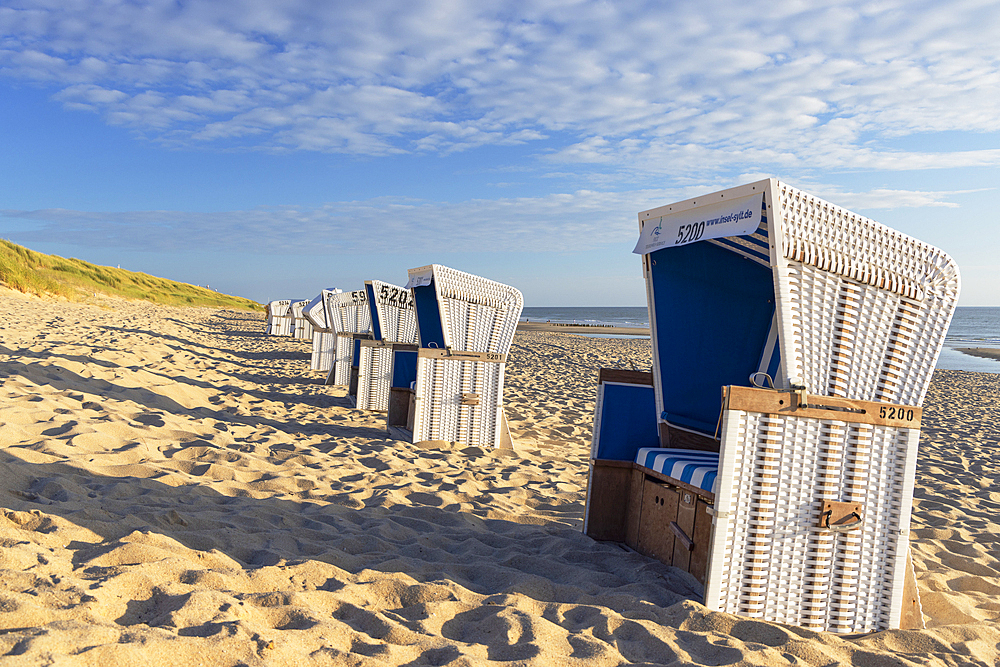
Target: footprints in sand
[
  {"x": 955, "y": 523},
  {"x": 180, "y": 486}
]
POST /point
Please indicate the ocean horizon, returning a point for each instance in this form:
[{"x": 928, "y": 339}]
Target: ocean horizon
[{"x": 972, "y": 326}]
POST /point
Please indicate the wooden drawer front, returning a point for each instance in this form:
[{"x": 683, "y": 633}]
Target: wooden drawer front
[
  {"x": 702, "y": 537},
  {"x": 674, "y": 527},
  {"x": 659, "y": 508}
]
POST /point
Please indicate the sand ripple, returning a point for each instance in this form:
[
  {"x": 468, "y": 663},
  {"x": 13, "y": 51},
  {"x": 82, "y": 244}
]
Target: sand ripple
[{"x": 180, "y": 489}]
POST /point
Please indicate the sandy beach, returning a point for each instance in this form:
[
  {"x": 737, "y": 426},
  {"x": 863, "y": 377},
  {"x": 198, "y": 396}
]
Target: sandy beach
[{"x": 179, "y": 489}]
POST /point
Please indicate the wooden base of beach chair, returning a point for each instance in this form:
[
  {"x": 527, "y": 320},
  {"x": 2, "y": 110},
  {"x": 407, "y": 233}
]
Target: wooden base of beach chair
[
  {"x": 912, "y": 615},
  {"x": 666, "y": 519},
  {"x": 399, "y": 414},
  {"x": 658, "y": 516},
  {"x": 670, "y": 521},
  {"x": 352, "y": 383}
]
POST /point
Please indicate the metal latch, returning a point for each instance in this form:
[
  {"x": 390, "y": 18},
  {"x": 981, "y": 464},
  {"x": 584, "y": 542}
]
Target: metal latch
[
  {"x": 800, "y": 392},
  {"x": 839, "y": 516}
]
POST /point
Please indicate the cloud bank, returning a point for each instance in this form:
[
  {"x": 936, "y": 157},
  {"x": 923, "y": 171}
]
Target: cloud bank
[{"x": 646, "y": 87}]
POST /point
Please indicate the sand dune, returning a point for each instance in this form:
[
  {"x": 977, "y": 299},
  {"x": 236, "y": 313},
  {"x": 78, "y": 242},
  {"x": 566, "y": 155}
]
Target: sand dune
[{"x": 178, "y": 488}]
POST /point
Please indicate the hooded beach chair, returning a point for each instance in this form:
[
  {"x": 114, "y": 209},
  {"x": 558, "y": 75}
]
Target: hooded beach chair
[
  {"x": 279, "y": 322},
  {"x": 350, "y": 318},
  {"x": 465, "y": 327},
  {"x": 389, "y": 360},
  {"x": 771, "y": 452},
  {"x": 324, "y": 338},
  {"x": 301, "y": 327}
]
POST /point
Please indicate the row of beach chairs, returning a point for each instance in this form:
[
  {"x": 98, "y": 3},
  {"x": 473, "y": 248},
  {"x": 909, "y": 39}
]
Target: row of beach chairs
[
  {"x": 430, "y": 354},
  {"x": 771, "y": 449}
]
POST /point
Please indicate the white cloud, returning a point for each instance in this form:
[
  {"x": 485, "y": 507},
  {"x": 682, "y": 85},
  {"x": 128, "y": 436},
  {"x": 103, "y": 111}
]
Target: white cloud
[{"x": 648, "y": 86}]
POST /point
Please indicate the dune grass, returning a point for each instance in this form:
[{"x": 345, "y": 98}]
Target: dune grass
[{"x": 37, "y": 273}]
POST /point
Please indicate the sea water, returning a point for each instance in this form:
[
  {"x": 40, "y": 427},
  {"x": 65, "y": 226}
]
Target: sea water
[{"x": 971, "y": 327}]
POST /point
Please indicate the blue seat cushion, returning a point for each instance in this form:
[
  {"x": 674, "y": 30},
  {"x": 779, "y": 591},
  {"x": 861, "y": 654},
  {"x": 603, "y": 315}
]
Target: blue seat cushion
[{"x": 693, "y": 466}]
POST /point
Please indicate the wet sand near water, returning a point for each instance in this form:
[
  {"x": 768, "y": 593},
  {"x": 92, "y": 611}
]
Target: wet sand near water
[{"x": 984, "y": 352}]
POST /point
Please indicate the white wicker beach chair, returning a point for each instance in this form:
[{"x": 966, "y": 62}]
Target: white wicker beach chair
[
  {"x": 324, "y": 338},
  {"x": 301, "y": 327},
  {"x": 279, "y": 323},
  {"x": 840, "y": 320},
  {"x": 389, "y": 359},
  {"x": 465, "y": 325},
  {"x": 348, "y": 314}
]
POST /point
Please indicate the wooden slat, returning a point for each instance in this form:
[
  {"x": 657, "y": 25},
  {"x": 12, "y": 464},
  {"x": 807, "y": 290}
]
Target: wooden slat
[
  {"x": 659, "y": 508},
  {"x": 683, "y": 545},
  {"x": 634, "y": 506},
  {"x": 786, "y": 403},
  {"x": 675, "y": 438},
  {"x": 608, "y": 500},
  {"x": 371, "y": 342},
  {"x": 436, "y": 353},
  {"x": 624, "y": 377},
  {"x": 702, "y": 537},
  {"x": 911, "y": 617}
]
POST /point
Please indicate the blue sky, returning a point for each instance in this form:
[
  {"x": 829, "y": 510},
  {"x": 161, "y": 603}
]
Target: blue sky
[{"x": 270, "y": 148}]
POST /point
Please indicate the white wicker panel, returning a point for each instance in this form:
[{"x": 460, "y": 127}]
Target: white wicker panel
[
  {"x": 374, "y": 378},
  {"x": 769, "y": 560},
  {"x": 343, "y": 356},
  {"x": 282, "y": 326},
  {"x": 868, "y": 306},
  {"x": 440, "y": 414},
  {"x": 303, "y": 327},
  {"x": 323, "y": 351},
  {"x": 853, "y": 340},
  {"x": 315, "y": 312},
  {"x": 478, "y": 315},
  {"x": 348, "y": 312},
  {"x": 278, "y": 324},
  {"x": 834, "y": 239},
  {"x": 396, "y": 317}
]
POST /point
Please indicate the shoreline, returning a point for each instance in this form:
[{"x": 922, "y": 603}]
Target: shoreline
[
  {"x": 982, "y": 352},
  {"x": 558, "y": 327}
]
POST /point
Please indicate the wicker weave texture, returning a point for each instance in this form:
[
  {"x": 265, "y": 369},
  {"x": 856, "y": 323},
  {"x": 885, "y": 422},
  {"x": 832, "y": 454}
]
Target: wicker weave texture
[
  {"x": 771, "y": 560},
  {"x": 315, "y": 312},
  {"x": 396, "y": 318},
  {"x": 374, "y": 378},
  {"x": 323, "y": 351},
  {"x": 302, "y": 328},
  {"x": 440, "y": 414},
  {"x": 865, "y": 309},
  {"x": 478, "y": 315},
  {"x": 342, "y": 360},
  {"x": 278, "y": 322},
  {"x": 834, "y": 239},
  {"x": 347, "y": 312}
]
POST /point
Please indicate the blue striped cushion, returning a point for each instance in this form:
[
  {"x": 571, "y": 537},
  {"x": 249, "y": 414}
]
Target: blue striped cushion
[{"x": 693, "y": 466}]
